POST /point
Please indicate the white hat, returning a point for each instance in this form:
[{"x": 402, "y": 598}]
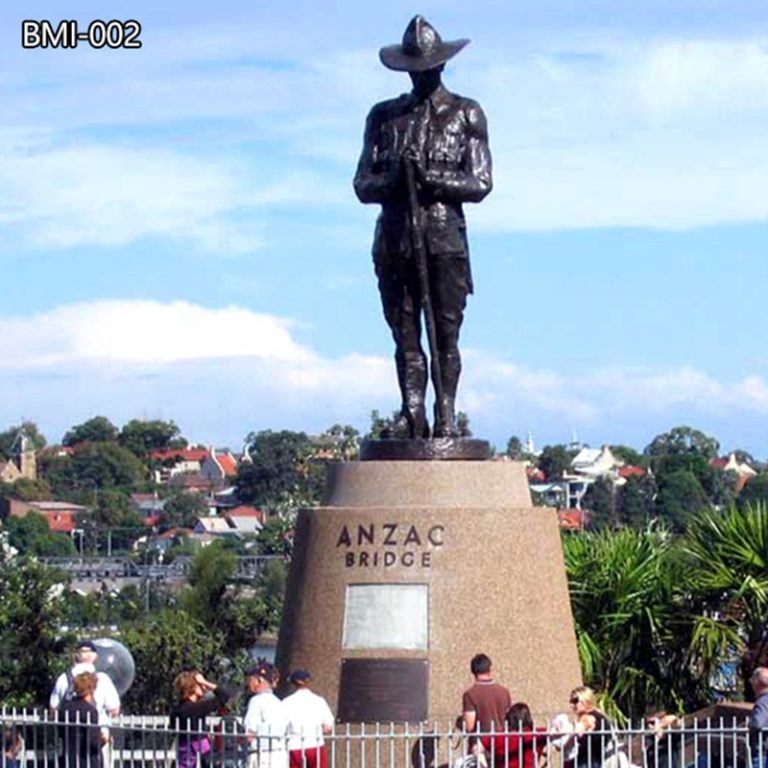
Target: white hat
[{"x": 82, "y": 668}]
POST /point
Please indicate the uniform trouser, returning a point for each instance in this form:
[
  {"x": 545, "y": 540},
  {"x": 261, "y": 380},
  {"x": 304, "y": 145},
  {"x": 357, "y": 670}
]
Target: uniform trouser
[
  {"x": 449, "y": 283},
  {"x": 312, "y": 757}
]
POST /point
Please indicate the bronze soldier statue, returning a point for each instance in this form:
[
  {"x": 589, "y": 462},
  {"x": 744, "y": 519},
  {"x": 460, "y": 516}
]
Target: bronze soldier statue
[{"x": 425, "y": 153}]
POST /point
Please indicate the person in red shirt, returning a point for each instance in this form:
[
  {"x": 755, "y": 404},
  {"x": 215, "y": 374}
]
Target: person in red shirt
[{"x": 522, "y": 744}]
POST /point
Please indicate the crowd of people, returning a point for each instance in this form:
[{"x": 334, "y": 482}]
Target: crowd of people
[
  {"x": 274, "y": 732},
  {"x": 586, "y": 737},
  {"x": 290, "y": 732}
]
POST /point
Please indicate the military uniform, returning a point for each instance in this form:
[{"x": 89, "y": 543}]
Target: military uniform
[{"x": 445, "y": 136}]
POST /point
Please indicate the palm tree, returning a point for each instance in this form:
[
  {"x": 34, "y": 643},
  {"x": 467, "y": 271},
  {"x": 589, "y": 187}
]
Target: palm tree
[
  {"x": 728, "y": 554},
  {"x": 633, "y": 627}
]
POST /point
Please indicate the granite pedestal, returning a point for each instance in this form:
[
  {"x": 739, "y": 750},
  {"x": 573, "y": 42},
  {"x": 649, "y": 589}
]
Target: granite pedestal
[{"x": 407, "y": 570}]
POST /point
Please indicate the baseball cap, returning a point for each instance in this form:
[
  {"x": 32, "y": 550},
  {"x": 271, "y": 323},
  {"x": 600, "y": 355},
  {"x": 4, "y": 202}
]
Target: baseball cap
[
  {"x": 86, "y": 645},
  {"x": 300, "y": 676},
  {"x": 265, "y": 670}
]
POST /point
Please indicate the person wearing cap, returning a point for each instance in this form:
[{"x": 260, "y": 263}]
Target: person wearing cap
[
  {"x": 265, "y": 722},
  {"x": 437, "y": 141},
  {"x": 106, "y": 699},
  {"x": 309, "y": 720}
]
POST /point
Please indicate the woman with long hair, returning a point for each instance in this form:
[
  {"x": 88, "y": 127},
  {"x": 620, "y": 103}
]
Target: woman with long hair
[{"x": 519, "y": 746}]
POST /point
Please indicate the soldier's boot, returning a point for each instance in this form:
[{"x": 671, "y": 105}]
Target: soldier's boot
[
  {"x": 445, "y": 416},
  {"x": 412, "y": 377}
]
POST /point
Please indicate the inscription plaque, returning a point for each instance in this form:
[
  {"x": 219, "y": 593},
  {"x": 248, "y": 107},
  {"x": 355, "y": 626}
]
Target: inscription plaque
[{"x": 383, "y": 690}]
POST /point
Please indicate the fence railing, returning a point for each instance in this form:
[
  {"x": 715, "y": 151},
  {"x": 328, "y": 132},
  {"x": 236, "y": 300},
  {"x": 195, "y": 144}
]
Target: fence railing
[{"x": 35, "y": 739}]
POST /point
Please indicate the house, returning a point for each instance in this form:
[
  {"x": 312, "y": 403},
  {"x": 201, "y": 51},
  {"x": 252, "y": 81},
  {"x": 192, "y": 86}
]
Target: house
[
  {"x": 587, "y": 465},
  {"x": 219, "y": 467},
  {"x": 732, "y": 464},
  {"x": 596, "y": 462},
  {"x": 245, "y": 519},
  {"x": 214, "y": 526},
  {"x": 177, "y": 461},
  {"x": 60, "y": 515},
  {"x": 566, "y": 492},
  {"x": 148, "y": 506}
]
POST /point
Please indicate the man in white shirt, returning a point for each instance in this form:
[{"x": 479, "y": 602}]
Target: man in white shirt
[
  {"x": 106, "y": 699},
  {"x": 309, "y": 720},
  {"x": 265, "y": 721}
]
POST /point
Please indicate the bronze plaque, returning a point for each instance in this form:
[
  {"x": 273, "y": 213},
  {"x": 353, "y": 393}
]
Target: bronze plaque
[{"x": 383, "y": 690}]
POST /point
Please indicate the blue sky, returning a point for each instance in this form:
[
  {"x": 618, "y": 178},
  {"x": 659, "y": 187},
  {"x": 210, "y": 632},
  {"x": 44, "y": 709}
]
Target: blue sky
[{"x": 179, "y": 237}]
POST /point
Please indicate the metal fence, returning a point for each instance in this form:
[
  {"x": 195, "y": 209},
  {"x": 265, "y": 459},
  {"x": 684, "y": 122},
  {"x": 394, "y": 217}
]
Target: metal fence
[{"x": 34, "y": 739}]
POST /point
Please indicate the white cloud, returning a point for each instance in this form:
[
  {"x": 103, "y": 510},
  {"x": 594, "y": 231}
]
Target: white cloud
[
  {"x": 144, "y": 332},
  {"x": 212, "y": 368},
  {"x": 109, "y": 196},
  {"x": 596, "y": 132}
]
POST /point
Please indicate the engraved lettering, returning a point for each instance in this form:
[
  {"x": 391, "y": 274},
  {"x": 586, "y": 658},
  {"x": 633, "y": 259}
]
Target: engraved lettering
[
  {"x": 349, "y": 560},
  {"x": 412, "y": 537},
  {"x": 363, "y": 559},
  {"x": 364, "y": 535},
  {"x": 435, "y": 535},
  {"x": 407, "y": 559},
  {"x": 426, "y": 559},
  {"x": 389, "y": 539},
  {"x": 344, "y": 538}
]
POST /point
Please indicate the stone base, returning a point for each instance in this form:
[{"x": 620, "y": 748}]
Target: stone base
[
  {"x": 483, "y": 570},
  {"x": 436, "y": 449}
]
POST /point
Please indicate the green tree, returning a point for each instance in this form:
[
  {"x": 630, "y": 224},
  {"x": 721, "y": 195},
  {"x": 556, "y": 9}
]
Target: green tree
[
  {"x": 635, "y": 502},
  {"x": 30, "y": 429},
  {"x": 629, "y": 456},
  {"x": 680, "y": 499},
  {"x": 633, "y": 629},
  {"x": 99, "y": 429},
  {"x": 600, "y": 500},
  {"x": 30, "y": 535},
  {"x": 276, "y": 537},
  {"x": 214, "y": 598},
  {"x": 162, "y": 646},
  {"x": 140, "y": 437},
  {"x": 182, "y": 510},
  {"x": 682, "y": 441},
  {"x": 113, "y": 509},
  {"x": 515, "y": 449},
  {"x": 754, "y": 492},
  {"x": 384, "y": 426},
  {"x": 31, "y": 490},
  {"x": 340, "y": 442},
  {"x": 729, "y": 575},
  {"x": 280, "y": 476},
  {"x": 31, "y": 610},
  {"x": 555, "y": 460},
  {"x": 462, "y": 424},
  {"x": 103, "y": 465}
]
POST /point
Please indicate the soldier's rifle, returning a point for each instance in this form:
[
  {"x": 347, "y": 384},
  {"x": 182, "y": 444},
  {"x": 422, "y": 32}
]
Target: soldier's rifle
[{"x": 422, "y": 270}]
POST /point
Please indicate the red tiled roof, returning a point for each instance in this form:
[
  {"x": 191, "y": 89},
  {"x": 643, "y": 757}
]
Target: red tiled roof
[
  {"x": 60, "y": 522},
  {"x": 227, "y": 463},
  {"x": 631, "y": 471},
  {"x": 245, "y": 511},
  {"x": 179, "y": 454},
  {"x": 572, "y": 519},
  {"x": 718, "y": 463}
]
